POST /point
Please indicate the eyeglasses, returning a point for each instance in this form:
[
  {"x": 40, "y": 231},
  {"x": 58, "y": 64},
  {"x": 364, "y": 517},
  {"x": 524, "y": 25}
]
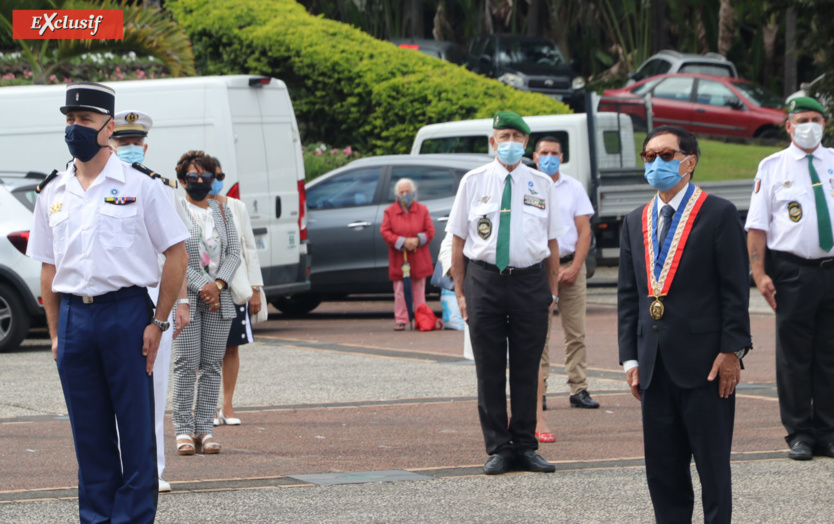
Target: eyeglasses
[
  {"x": 666, "y": 154},
  {"x": 193, "y": 177},
  {"x": 220, "y": 176}
]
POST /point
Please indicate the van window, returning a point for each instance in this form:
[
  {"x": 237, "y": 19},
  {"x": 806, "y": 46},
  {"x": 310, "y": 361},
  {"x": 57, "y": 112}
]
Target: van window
[
  {"x": 611, "y": 141},
  {"x": 456, "y": 144},
  {"x": 561, "y": 136},
  {"x": 432, "y": 182},
  {"x": 350, "y": 189}
]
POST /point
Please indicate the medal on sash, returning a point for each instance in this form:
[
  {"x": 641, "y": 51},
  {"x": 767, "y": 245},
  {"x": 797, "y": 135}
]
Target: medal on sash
[{"x": 663, "y": 258}]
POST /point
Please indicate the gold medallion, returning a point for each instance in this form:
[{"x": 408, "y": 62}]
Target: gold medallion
[{"x": 656, "y": 309}]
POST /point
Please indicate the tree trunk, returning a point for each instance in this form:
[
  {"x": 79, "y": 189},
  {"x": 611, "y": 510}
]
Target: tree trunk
[
  {"x": 658, "y": 25},
  {"x": 415, "y": 16},
  {"x": 535, "y": 17},
  {"x": 726, "y": 27},
  {"x": 769, "y": 34},
  {"x": 790, "y": 52}
]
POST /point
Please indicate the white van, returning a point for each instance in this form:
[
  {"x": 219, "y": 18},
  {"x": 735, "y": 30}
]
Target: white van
[
  {"x": 246, "y": 121},
  {"x": 614, "y": 140}
]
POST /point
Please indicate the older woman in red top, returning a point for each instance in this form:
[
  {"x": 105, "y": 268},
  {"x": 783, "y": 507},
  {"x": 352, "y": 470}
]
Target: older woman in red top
[{"x": 407, "y": 229}]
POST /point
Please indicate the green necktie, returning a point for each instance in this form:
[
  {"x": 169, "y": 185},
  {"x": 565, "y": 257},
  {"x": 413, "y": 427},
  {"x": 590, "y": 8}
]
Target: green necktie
[
  {"x": 823, "y": 218},
  {"x": 502, "y": 253}
]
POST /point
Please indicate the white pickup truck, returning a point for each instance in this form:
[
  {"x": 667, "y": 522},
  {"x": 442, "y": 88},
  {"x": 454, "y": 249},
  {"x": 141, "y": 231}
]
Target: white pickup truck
[{"x": 599, "y": 152}]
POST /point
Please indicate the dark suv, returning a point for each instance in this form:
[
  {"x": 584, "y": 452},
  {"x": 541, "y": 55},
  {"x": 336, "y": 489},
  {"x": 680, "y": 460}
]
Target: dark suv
[{"x": 529, "y": 64}]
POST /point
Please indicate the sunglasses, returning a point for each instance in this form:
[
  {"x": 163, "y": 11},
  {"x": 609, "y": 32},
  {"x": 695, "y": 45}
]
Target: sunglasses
[
  {"x": 666, "y": 154},
  {"x": 193, "y": 177},
  {"x": 220, "y": 176}
]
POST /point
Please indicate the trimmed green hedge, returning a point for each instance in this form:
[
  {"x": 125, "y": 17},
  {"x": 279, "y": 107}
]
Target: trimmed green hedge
[{"x": 348, "y": 88}]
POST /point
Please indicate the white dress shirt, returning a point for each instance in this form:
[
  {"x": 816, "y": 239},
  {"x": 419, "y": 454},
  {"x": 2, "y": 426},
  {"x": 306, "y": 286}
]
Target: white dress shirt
[
  {"x": 534, "y": 216},
  {"x": 783, "y": 202},
  {"x": 98, "y": 247},
  {"x": 573, "y": 202}
]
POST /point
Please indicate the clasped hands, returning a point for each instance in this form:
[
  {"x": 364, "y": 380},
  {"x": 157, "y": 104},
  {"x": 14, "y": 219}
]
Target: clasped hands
[
  {"x": 411, "y": 244},
  {"x": 211, "y": 296}
]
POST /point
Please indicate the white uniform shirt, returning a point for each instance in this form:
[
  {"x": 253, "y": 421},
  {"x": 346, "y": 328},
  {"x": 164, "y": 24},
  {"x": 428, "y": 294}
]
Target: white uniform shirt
[
  {"x": 783, "y": 202},
  {"x": 534, "y": 217},
  {"x": 99, "y": 247},
  {"x": 573, "y": 202}
]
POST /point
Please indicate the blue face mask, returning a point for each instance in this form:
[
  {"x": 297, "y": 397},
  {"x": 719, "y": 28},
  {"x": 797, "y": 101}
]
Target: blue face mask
[
  {"x": 549, "y": 164},
  {"x": 131, "y": 154},
  {"x": 509, "y": 153},
  {"x": 216, "y": 187},
  {"x": 663, "y": 175},
  {"x": 82, "y": 142},
  {"x": 406, "y": 200}
]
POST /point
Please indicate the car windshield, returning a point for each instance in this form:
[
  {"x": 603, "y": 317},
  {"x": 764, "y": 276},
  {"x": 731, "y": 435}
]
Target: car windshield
[
  {"x": 26, "y": 196},
  {"x": 537, "y": 52},
  {"x": 759, "y": 95}
]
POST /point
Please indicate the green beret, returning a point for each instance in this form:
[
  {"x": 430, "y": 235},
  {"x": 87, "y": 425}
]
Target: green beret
[
  {"x": 805, "y": 103},
  {"x": 510, "y": 120}
]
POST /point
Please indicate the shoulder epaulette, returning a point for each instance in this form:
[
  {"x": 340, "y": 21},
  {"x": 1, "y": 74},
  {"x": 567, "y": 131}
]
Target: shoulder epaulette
[
  {"x": 52, "y": 176},
  {"x": 153, "y": 174}
]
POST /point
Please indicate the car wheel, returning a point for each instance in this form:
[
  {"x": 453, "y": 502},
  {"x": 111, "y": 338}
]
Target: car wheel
[
  {"x": 297, "y": 305},
  {"x": 14, "y": 320},
  {"x": 770, "y": 136}
]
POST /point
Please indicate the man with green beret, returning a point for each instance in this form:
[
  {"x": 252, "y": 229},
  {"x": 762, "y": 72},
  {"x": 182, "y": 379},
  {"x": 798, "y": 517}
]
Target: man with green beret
[
  {"x": 791, "y": 245},
  {"x": 505, "y": 264}
]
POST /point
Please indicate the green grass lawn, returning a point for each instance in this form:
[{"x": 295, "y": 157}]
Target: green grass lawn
[{"x": 722, "y": 160}]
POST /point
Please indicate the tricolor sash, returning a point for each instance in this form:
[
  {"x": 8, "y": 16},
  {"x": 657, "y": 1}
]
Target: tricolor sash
[{"x": 662, "y": 260}]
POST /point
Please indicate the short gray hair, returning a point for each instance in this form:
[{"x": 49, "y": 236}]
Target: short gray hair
[{"x": 403, "y": 181}]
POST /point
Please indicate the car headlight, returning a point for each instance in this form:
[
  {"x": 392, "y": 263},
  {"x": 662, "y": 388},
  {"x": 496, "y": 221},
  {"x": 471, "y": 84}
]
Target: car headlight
[
  {"x": 578, "y": 83},
  {"x": 512, "y": 80}
]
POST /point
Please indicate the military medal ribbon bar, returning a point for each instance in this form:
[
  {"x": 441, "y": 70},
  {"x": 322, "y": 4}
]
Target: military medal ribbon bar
[{"x": 662, "y": 260}]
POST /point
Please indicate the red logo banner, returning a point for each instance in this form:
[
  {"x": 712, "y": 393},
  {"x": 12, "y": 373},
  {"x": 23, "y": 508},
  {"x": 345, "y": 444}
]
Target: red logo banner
[{"x": 65, "y": 24}]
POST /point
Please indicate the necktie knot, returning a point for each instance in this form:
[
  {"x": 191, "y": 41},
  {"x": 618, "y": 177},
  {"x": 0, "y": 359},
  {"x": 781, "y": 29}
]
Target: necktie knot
[{"x": 668, "y": 212}]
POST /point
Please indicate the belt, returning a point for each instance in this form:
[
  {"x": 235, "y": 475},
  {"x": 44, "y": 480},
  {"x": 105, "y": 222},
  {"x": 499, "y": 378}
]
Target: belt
[
  {"x": 825, "y": 263},
  {"x": 114, "y": 296},
  {"x": 567, "y": 258},
  {"x": 508, "y": 270}
]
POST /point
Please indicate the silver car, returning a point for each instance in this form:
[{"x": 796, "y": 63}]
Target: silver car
[
  {"x": 20, "y": 276},
  {"x": 345, "y": 209}
]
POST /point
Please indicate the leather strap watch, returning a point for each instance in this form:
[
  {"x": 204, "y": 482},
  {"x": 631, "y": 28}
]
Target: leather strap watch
[{"x": 163, "y": 325}]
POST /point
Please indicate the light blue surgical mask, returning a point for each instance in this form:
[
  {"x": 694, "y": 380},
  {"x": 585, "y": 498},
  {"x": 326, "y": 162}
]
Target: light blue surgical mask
[
  {"x": 663, "y": 175},
  {"x": 216, "y": 187},
  {"x": 131, "y": 154},
  {"x": 549, "y": 164},
  {"x": 509, "y": 153}
]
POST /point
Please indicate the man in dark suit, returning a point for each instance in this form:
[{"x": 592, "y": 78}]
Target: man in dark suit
[{"x": 683, "y": 297}]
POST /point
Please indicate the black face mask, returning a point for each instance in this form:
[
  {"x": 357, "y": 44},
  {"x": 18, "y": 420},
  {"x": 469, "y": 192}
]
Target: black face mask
[
  {"x": 83, "y": 141},
  {"x": 198, "y": 190}
]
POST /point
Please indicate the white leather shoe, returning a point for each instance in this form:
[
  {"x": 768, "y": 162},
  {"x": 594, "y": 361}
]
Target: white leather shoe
[
  {"x": 217, "y": 422},
  {"x": 164, "y": 487},
  {"x": 229, "y": 421}
]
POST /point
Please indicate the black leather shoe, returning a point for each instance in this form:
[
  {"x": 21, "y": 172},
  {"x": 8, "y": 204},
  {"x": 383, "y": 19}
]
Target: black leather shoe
[
  {"x": 532, "y": 461},
  {"x": 826, "y": 449},
  {"x": 497, "y": 464},
  {"x": 544, "y": 403},
  {"x": 583, "y": 400},
  {"x": 800, "y": 450}
]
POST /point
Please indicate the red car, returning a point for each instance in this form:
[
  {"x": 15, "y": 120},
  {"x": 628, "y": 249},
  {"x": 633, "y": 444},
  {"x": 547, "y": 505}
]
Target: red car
[{"x": 704, "y": 104}]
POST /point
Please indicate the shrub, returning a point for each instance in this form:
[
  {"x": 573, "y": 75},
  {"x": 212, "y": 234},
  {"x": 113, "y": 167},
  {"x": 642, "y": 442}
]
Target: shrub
[
  {"x": 320, "y": 159},
  {"x": 89, "y": 67},
  {"x": 347, "y": 87}
]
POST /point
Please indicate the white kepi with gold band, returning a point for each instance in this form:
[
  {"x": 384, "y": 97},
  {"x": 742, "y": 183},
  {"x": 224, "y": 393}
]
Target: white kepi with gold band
[{"x": 662, "y": 259}]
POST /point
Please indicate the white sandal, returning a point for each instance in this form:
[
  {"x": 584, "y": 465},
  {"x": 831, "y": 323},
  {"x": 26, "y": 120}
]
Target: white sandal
[
  {"x": 185, "y": 445},
  {"x": 206, "y": 443}
]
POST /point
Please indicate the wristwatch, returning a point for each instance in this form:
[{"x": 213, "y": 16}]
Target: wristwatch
[
  {"x": 220, "y": 285},
  {"x": 183, "y": 301},
  {"x": 741, "y": 352},
  {"x": 555, "y": 298},
  {"x": 160, "y": 324}
]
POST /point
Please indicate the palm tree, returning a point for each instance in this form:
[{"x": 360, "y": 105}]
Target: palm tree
[{"x": 147, "y": 31}]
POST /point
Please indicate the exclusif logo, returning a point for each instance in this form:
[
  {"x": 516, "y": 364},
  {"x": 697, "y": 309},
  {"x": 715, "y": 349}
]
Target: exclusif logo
[{"x": 78, "y": 24}]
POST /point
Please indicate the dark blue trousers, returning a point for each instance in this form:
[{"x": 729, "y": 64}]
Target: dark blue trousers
[
  {"x": 677, "y": 425},
  {"x": 103, "y": 376}
]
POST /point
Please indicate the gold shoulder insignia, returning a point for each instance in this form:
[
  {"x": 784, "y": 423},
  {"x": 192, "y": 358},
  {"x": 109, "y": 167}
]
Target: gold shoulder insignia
[
  {"x": 153, "y": 174},
  {"x": 47, "y": 180}
]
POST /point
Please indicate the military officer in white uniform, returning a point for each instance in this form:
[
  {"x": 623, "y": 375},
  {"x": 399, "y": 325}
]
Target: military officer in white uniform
[
  {"x": 505, "y": 264},
  {"x": 128, "y": 141},
  {"x": 98, "y": 228},
  {"x": 789, "y": 236}
]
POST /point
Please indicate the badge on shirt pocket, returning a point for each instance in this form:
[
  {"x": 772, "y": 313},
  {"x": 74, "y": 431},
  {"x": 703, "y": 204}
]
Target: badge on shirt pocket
[
  {"x": 530, "y": 200},
  {"x": 484, "y": 228},
  {"x": 795, "y": 211}
]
